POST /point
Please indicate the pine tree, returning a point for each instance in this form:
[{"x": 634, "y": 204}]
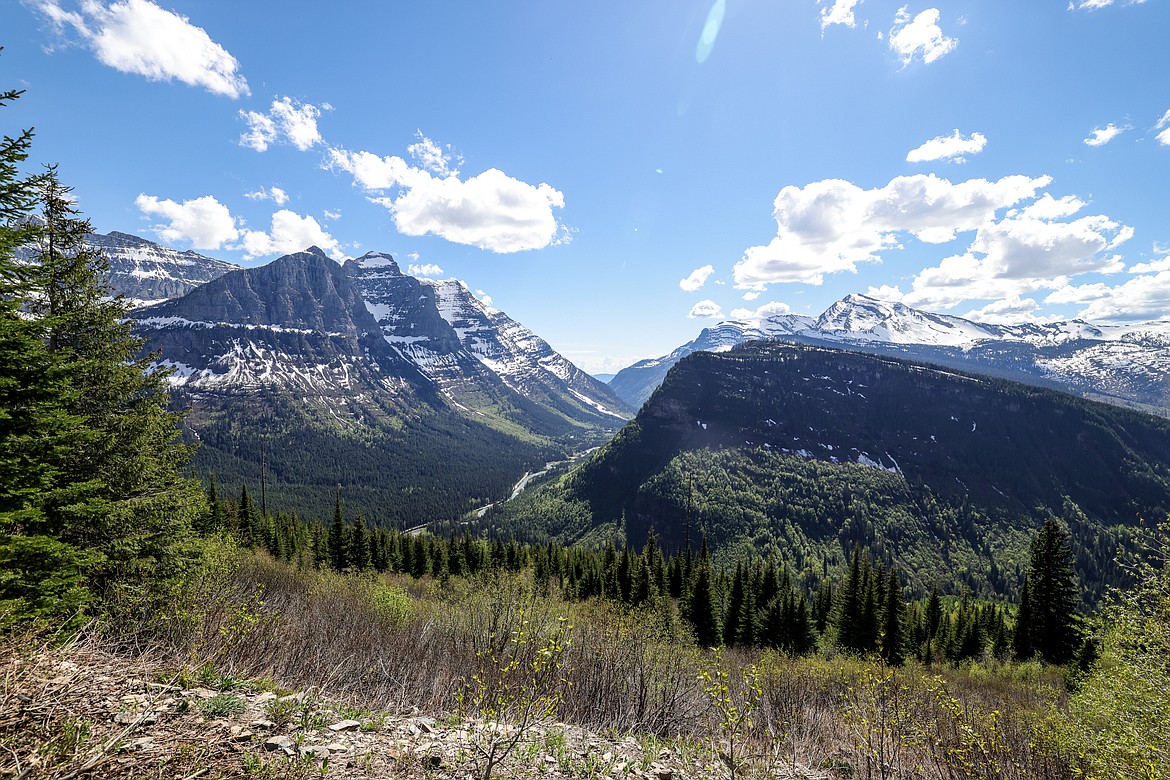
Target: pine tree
[
  {"x": 1053, "y": 593},
  {"x": 701, "y": 605},
  {"x": 121, "y": 492},
  {"x": 1022, "y": 647},
  {"x": 338, "y": 554},
  {"x": 359, "y": 545},
  {"x": 893, "y": 638}
]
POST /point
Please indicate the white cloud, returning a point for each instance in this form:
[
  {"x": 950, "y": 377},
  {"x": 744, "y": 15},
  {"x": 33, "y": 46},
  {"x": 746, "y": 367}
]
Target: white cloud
[
  {"x": 920, "y": 36},
  {"x": 331, "y": 214},
  {"x": 139, "y": 37},
  {"x": 1021, "y": 255},
  {"x": 1048, "y": 207},
  {"x": 841, "y": 12},
  {"x": 434, "y": 158},
  {"x": 833, "y": 225},
  {"x": 289, "y": 233},
  {"x": 426, "y": 269},
  {"x": 484, "y": 297},
  {"x": 1152, "y": 267},
  {"x": 1103, "y": 135},
  {"x": 1006, "y": 311},
  {"x": 1140, "y": 298},
  {"x": 885, "y": 292},
  {"x": 204, "y": 222},
  {"x": 276, "y": 194},
  {"x": 1164, "y": 126},
  {"x": 762, "y": 312},
  {"x": 1093, "y": 5},
  {"x": 491, "y": 210},
  {"x": 287, "y": 119},
  {"x": 751, "y": 295},
  {"x": 697, "y": 278},
  {"x": 705, "y": 309},
  {"x": 948, "y": 147}
]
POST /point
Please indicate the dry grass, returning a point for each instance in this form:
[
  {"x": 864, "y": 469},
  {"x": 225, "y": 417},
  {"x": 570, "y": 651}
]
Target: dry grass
[{"x": 371, "y": 644}]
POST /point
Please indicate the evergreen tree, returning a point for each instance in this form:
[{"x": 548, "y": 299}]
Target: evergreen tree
[
  {"x": 120, "y": 492},
  {"x": 893, "y": 638},
  {"x": 359, "y": 545},
  {"x": 701, "y": 605},
  {"x": 338, "y": 553},
  {"x": 1022, "y": 646},
  {"x": 1053, "y": 592}
]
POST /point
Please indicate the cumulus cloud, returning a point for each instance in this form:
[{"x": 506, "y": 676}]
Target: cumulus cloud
[
  {"x": 491, "y": 210},
  {"x": 951, "y": 147},
  {"x": 139, "y": 37},
  {"x": 287, "y": 120},
  {"x": 1164, "y": 126},
  {"x": 1103, "y": 135},
  {"x": 841, "y": 12},
  {"x": 288, "y": 233},
  {"x": 919, "y": 37},
  {"x": 204, "y": 222},
  {"x": 1021, "y": 255},
  {"x": 833, "y": 225},
  {"x": 426, "y": 269},
  {"x": 706, "y": 309},
  {"x": 697, "y": 278},
  {"x": 1006, "y": 311},
  {"x": 1141, "y": 298},
  {"x": 276, "y": 194},
  {"x": 762, "y": 312}
]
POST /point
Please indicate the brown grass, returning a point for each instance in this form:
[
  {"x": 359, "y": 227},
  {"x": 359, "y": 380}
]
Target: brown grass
[{"x": 366, "y": 641}]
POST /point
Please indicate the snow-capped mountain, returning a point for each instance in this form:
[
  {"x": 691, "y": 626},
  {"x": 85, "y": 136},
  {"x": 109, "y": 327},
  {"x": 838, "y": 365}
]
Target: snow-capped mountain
[
  {"x": 480, "y": 358},
  {"x": 1121, "y": 363},
  {"x": 146, "y": 272},
  {"x": 635, "y": 383},
  {"x": 298, "y": 323},
  {"x": 307, "y": 325}
]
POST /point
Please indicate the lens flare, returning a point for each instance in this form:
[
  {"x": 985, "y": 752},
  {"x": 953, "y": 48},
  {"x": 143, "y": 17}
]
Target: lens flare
[{"x": 710, "y": 31}]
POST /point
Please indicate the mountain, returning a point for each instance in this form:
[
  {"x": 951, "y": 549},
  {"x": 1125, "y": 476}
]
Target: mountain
[
  {"x": 293, "y": 387},
  {"x": 1129, "y": 365},
  {"x": 421, "y": 399},
  {"x": 635, "y": 383},
  {"x": 481, "y": 359},
  {"x": 145, "y": 272},
  {"x": 802, "y": 452}
]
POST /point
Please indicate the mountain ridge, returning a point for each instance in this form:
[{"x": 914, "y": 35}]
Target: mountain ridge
[{"x": 1117, "y": 363}]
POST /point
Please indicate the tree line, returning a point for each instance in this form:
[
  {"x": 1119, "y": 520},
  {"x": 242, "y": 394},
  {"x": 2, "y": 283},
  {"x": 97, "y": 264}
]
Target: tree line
[{"x": 756, "y": 603}]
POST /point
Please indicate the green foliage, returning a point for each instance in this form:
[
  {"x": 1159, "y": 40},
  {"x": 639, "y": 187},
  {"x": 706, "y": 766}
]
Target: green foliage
[
  {"x": 735, "y": 706},
  {"x": 1119, "y": 720},
  {"x": 761, "y": 448},
  {"x": 223, "y": 704},
  {"x": 516, "y": 689}
]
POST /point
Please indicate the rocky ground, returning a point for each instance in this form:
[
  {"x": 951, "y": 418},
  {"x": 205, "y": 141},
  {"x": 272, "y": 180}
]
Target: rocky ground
[{"x": 84, "y": 713}]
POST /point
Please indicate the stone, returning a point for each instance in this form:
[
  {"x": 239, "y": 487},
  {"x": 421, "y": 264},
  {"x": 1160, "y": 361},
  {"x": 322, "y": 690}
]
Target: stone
[
  {"x": 315, "y": 751},
  {"x": 345, "y": 725},
  {"x": 262, "y": 725},
  {"x": 264, "y": 698},
  {"x": 273, "y": 744},
  {"x": 337, "y": 747}
]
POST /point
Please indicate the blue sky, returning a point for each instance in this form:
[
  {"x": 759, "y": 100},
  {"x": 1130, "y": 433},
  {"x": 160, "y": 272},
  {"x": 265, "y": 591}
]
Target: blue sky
[{"x": 618, "y": 175}]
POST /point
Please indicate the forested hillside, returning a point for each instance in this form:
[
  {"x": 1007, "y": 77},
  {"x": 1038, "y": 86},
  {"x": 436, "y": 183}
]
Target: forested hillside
[{"x": 804, "y": 452}]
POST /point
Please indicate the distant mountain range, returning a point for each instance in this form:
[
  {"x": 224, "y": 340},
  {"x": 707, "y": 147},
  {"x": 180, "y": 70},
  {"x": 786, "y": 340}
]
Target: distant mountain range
[
  {"x": 416, "y": 397},
  {"x": 802, "y": 452},
  {"x": 1128, "y": 365}
]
